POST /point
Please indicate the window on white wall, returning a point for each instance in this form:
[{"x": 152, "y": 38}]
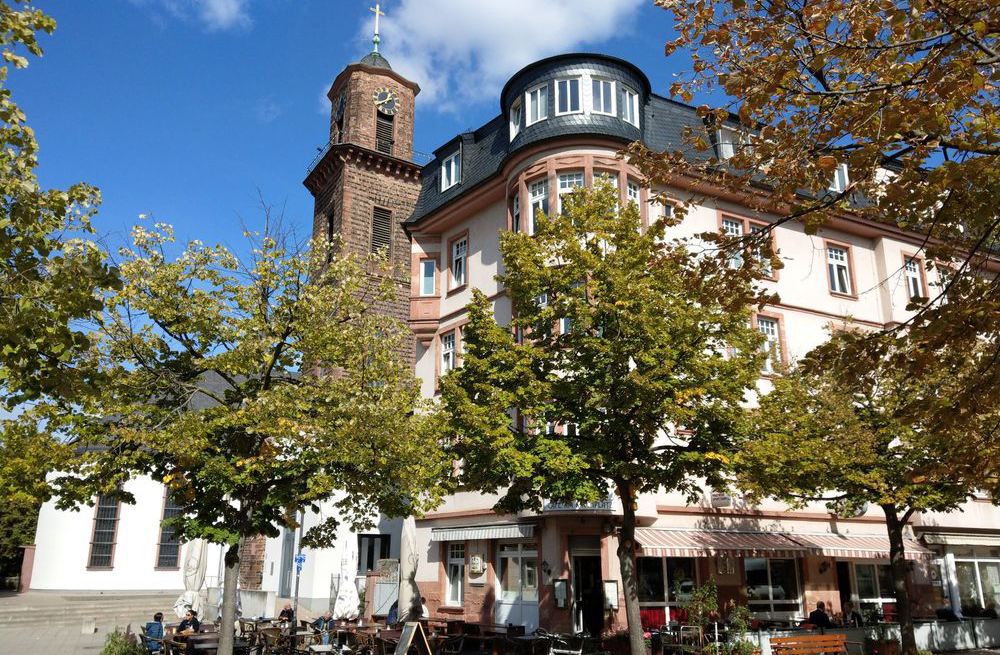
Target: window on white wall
[
  {"x": 371, "y": 548},
  {"x": 456, "y": 573},
  {"x": 537, "y": 104},
  {"x": 914, "y": 279},
  {"x": 428, "y": 273},
  {"x": 839, "y": 268},
  {"x": 539, "y": 193},
  {"x": 759, "y": 253},
  {"x": 568, "y": 182},
  {"x": 731, "y": 140},
  {"x": 447, "y": 352},
  {"x": 451, "y": 171},
  {"x": 603, "y": 96},
  {"x": 168, "y": 550},
  {"x": 459, "y": 251},
  {"x": 734, "y": 228},
  {"x": 515, "y": 118},
  {"x": 630, "y": 106},
  {"x": 102, "y": 544},
  {"x": 632, "y": 192},
  {"x": 772, "y": 343},
  {"x": 568, "y": 96}
]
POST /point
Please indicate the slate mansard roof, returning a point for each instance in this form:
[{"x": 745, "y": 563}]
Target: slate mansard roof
[{"x": 661, "y": 126}]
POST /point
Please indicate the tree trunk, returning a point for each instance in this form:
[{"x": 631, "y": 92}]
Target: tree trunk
[
  {"x": 897, "y": 561},
  {"x": 626, "y": 559},
  {"x": 227, "y": 624}
]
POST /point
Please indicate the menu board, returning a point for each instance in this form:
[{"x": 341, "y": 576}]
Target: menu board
[{"x": 413, "y": 635}]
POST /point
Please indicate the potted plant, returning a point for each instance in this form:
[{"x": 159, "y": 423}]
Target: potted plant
[
  {"x": 880, "y": 640},
  {"x": 739, "y": 626}
]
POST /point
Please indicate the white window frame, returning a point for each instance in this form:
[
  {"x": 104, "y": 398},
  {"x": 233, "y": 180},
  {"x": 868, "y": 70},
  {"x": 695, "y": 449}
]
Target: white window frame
[
  {"x": 733, "y": 227},
  {"x": 632, "y": 192},
  {"x": 758, "y": 253},
  {"x": 525, "y": 557},
  {"x": 570, "y": 179},
  {"x": 976, "y": 565},
  {"x": 456, "y": 574},
  {"x": 459, "y": 262},
  {"x": 424, "y": 277},
  {"x": 913, "y": 277},
  {"x": 772, "y": 344},
  {"x": 608, "y": 85},
  {"x": 451, "y": 170},
  {"x": 768, "y": 605},
  {"x": 729, "y": 138},
  {"x": 840, "y": 179},
  {"x": 630, "y": 106},
  {"x": 540, "y": 102},
  {"x": 538, "y": 193},
  {"x": 515, "y": 214},
  {"x": 882, "y": 597},
  {"x": 567, "y": 81},
  {"x": 834, "y": 265},
  {"x": 516, "y": 114},
  {"x": 448, "y": 352}
]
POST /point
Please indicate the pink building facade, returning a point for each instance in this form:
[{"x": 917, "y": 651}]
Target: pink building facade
[{"x": 562, "y": 122}]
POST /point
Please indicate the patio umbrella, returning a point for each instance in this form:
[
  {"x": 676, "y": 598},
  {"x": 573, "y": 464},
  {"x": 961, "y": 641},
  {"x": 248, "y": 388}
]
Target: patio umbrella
[
  {"x": 409, "y": 594},
  {"x": 346, "y": 605},
  {"x": 193, "y": 573}
]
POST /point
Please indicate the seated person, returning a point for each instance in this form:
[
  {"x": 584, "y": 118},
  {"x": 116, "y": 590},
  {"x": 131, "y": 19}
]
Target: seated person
[
  {"x": 818, "y": 617},
  {"x": 393, "y": 616},
  {"x": 852, "y": 619},
  {"x": 190, "y": 623},
  {"x": 324, "y": 625},
  {"x": 154, "y": 633},
  {"x": 287, "y": 614}
]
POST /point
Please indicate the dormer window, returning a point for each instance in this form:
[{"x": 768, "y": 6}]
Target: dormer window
[
  {"x": 451, "y": 171},
  {"x": 515, "y": 118},
  {"x": 537, "y": 100},
  {"x": 568, "y": 96},
  {"x": 840, "y": 180},
  {"x": 731, "y": 140},
  {"x": 603, "y": 96},
  {"x": 630, "y": 106}
]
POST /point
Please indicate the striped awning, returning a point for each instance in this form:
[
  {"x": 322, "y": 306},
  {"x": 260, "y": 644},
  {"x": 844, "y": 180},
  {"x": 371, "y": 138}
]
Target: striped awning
[
  {"x": 494, "y": 531},
  {"x": 962, "y": 539},
  {"x": 699, "y": 543},
  {"x": 873, "y": 546}
]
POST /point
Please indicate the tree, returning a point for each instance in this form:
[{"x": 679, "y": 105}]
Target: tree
[
  {"x": 852, "y": 427},
  {"x": 253, "y": 389},
  {"x": 639, "y": 387},
  {"x": 903, "y": 94},
  {"x": 48, "y": 281}
]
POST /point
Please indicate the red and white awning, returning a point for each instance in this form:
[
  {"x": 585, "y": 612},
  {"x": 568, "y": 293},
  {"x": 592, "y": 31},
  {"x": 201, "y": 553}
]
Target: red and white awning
[
  {"x": 666, "y": 542},
  {"x": 671, "y": 542}
]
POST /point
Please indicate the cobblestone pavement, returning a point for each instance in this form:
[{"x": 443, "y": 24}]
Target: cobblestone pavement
[{"x": 56, "y": 641}]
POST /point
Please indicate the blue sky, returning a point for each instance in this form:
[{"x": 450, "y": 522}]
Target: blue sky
[{"x": 183, "y": 109}]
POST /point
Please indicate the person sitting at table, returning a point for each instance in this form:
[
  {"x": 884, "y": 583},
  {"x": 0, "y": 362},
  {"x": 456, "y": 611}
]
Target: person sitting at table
[
  {"x": 393, "y": 616},
  {"x": 190, "y": 623},
  {"x": 852, "y": 619},
  {"x": 287, "y": 614},
  {"x": 154, "y": 633},
  {"x": 819, "y": 618},
  {"x": 424, "y": 614},
  {"x": 324, "y": 625}
]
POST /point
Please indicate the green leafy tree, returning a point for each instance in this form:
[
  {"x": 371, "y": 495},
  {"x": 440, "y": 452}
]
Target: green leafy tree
[
  {"x": 254, "y": 389},
  {"x": 638, "y": 348},
  {"x": 48, "y": 280},
  {"x": 852, "y": 427}
]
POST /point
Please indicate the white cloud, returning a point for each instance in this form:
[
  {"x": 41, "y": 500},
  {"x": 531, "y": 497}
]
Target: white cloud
[
  {"x": 461, "y": 52},
  {"x": 215, "y": 15},
  {"x": 266, "y": 110}
]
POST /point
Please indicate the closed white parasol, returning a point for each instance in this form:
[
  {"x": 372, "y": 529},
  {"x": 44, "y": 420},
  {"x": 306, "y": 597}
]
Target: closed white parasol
[
  {"x": 345, "y": 607},
  {"x": 409, "y": 594},
  {"x": 193, "y": 572}
]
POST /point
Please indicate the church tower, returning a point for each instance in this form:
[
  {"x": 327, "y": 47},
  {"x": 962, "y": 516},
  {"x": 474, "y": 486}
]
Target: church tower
[{"x": 365, "y": 182}]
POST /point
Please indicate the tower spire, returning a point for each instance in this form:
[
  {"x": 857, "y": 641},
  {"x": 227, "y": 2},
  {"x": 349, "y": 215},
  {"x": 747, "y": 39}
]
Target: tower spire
[{"x": 378, "y": 12}]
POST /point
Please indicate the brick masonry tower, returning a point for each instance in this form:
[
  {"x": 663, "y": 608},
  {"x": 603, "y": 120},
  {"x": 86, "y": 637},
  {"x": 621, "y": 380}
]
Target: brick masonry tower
[{"x": 364, "y": 181}]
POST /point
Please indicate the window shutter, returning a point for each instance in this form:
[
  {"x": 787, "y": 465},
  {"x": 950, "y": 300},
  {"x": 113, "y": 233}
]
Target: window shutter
[
  {"x": 382, "y": 230},
  {"x": 383, "y": 134}
]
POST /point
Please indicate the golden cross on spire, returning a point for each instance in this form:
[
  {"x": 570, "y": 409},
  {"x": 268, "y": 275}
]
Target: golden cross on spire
[{"x": 378, "y": 12}]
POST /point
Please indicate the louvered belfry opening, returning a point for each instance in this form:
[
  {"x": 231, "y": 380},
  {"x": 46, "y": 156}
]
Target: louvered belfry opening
[
  {"x": 382, "y": 230},
  {"x": 383, "y": 133}
]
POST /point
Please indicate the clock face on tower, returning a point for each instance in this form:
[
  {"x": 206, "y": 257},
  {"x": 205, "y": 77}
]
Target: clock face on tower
[{"x": 386, "y": 100}]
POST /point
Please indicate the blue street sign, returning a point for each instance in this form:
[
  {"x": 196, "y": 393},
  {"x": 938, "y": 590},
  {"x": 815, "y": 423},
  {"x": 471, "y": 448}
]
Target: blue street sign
[{"x": 300, "y": 558}]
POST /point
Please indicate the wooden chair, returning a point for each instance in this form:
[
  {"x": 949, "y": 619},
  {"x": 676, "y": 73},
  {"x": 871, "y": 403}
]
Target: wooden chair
[
  {"x": 452, "y": 645},
  {"x": 270, "y": 640}
]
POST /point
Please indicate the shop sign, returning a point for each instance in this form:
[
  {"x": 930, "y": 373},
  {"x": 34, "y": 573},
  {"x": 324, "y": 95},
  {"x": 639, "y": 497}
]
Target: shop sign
[
  {"x": 721, "y": 499},
  {"x": 603, "y": 505}
]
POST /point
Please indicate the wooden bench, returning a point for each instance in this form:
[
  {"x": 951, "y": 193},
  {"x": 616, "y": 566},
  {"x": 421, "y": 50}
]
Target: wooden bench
[{"x": 835, "y": 644}]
